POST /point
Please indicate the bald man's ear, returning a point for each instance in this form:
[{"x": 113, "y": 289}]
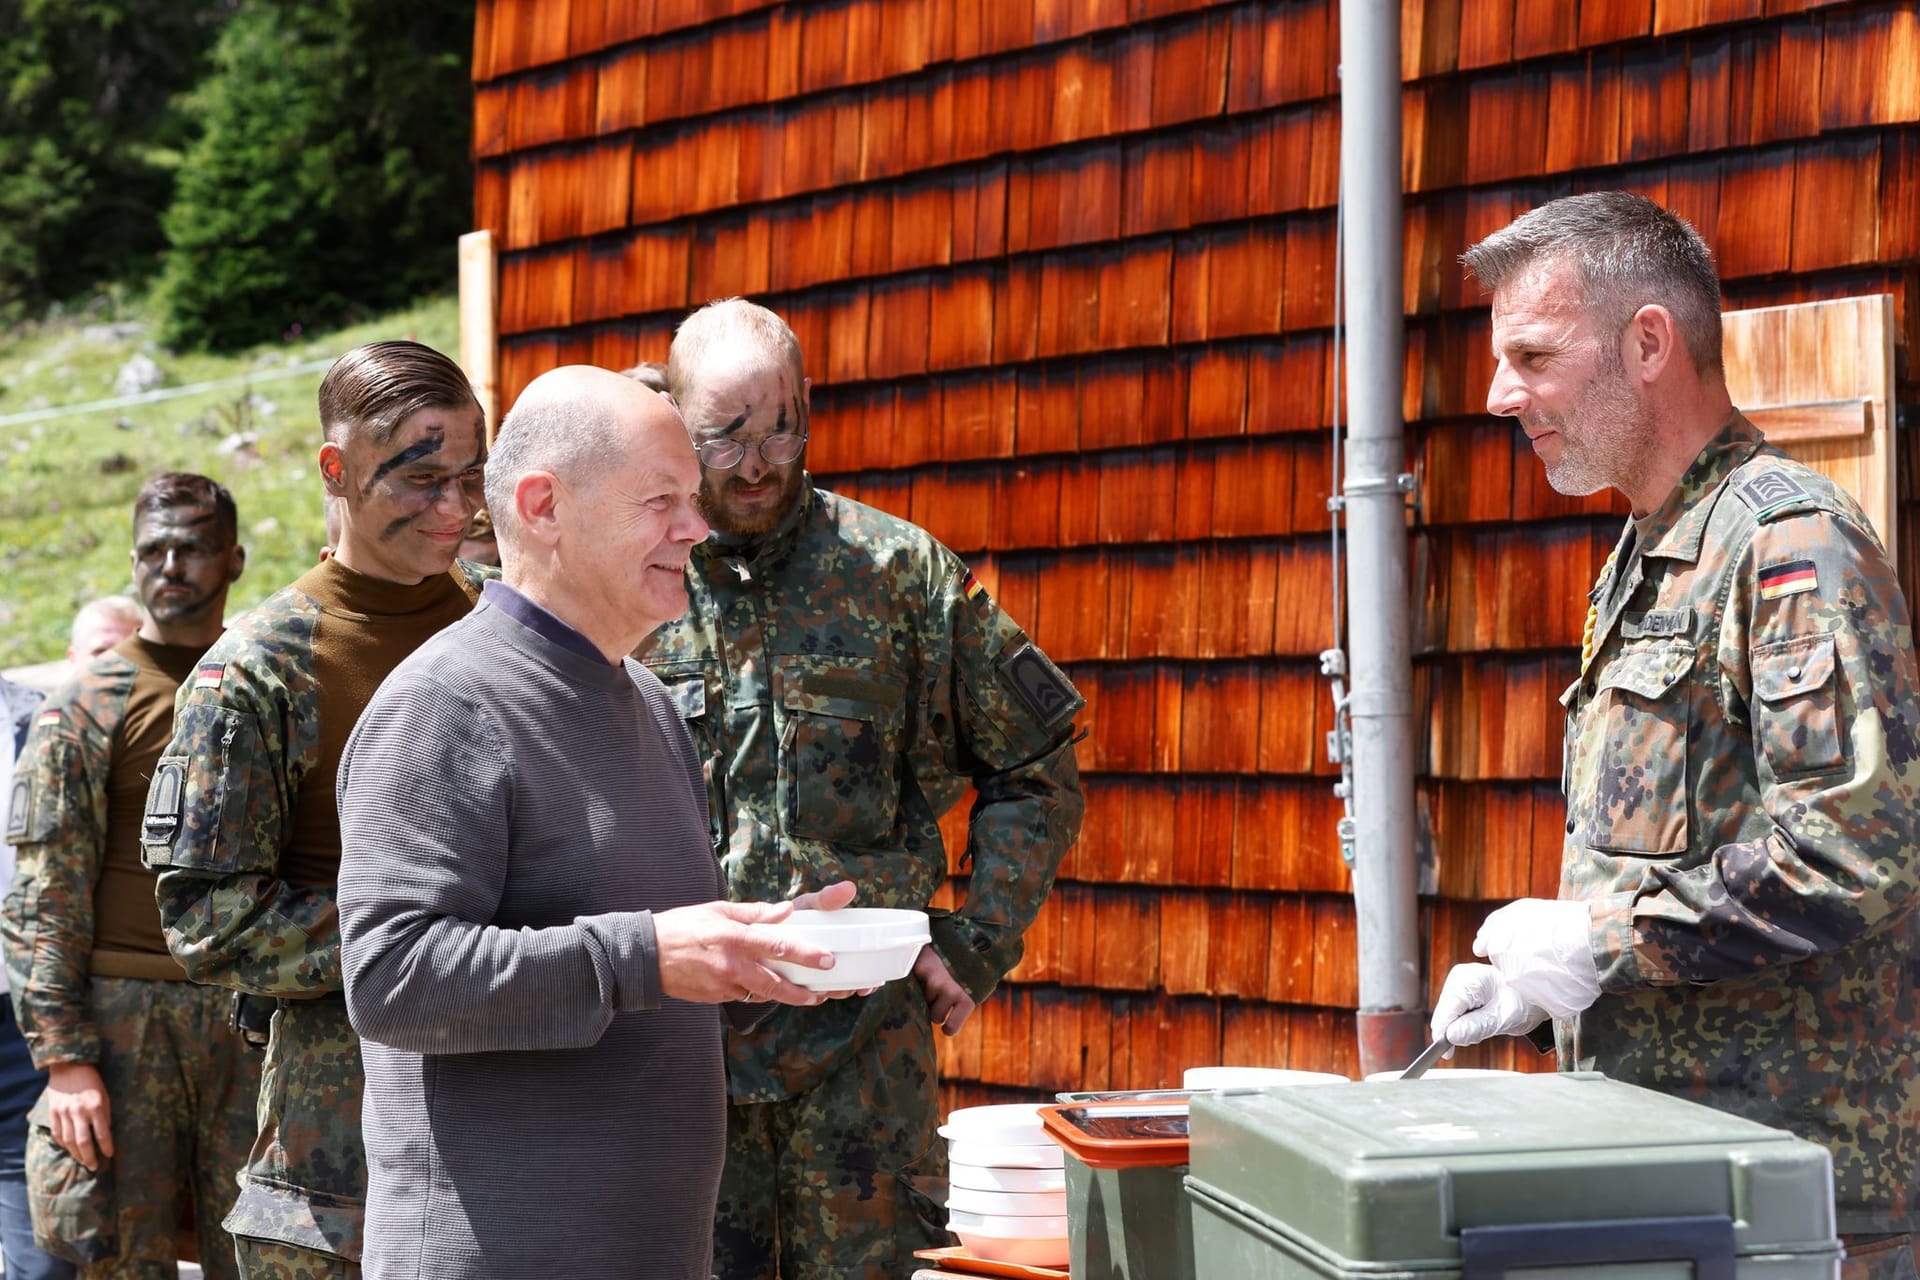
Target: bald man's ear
[
  {"x": 333, "y": 469},
  {"x": 536, "y": 500}
]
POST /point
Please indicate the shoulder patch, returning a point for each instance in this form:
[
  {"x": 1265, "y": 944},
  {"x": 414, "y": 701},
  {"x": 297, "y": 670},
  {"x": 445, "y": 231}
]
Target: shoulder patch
[
  {"x": 47, "y": 719},
  {"x": 166, "y": 800},
  {"x": 1042, "y": 688},
  {"x": 971, "y": 588},
  {"x": 1770, "y": 493},
  {"x": 19, "y": 810},
  {"x": 209, "y": 675}
]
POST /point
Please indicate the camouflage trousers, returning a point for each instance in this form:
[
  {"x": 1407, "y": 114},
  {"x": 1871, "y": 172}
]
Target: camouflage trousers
[
  {"x": 1880, "y": 1258},
  {"x": 845, "y": 1181},
  {"x": 271, "y": 1260},
  {"x": 180, "y": 1093}
]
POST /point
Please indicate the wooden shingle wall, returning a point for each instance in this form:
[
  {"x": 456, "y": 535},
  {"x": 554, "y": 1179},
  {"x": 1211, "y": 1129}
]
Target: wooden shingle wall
[{"x": 1064, "y": 273}]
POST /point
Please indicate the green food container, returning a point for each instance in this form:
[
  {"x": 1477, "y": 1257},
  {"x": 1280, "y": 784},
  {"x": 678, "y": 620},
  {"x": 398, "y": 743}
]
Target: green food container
[
  {"x": 1562, "y": 1177},
  {"x": 1128, "y": 1224}
]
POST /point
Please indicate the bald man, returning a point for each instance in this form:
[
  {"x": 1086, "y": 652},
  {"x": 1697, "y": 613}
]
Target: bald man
[
  {"x": 241, "y": 821},
  {"x": 533, "y": 944}
]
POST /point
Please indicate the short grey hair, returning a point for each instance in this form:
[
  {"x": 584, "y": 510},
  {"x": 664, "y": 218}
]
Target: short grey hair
[
  {"x": 752, "y": 331},
  {"x": 1627, "y": 252},
  {"x": 123, "y": 608},
  {"x": 574, "y": 438}
]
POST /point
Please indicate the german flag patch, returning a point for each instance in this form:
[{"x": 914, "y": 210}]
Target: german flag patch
[
  {"x": 1788, "y": 579},
  {"x": 51, "y": 716},
  {"x": 208, "y": 676},
  {"x": 970, "y": 585}
]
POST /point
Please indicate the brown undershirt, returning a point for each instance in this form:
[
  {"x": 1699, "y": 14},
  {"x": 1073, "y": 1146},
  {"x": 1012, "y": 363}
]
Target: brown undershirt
[
  {"x": 125, "y": 921},
  {"x": 366, "y": 628}
]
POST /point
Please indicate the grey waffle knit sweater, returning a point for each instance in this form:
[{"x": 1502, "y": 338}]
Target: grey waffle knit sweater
[{"x": 510, "y": 813}]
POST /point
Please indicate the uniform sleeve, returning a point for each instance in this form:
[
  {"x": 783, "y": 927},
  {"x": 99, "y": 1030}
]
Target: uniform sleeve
[
  {"x": 1816, "y": 653},
  {"x": 219, "y": 813},
  {"x": 1012, "y": 734},
  {"x": 425, "y": 812},
  {"x": 59, "y": 829}
]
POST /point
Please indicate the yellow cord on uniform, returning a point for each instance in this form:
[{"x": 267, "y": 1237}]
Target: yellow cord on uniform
[{"x": 1593, "y": 610}]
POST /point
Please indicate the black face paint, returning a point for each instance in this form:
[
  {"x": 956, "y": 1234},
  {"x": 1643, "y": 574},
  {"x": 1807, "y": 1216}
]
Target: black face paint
[
  {"x": 175, "y": 532},
  {"x": 412, "y": 453},
  {"x": 738, "y": 422},
  {"x": 780, "y": 422},
  {"x": 397, "y": 527},
  {"x": 417, "y": 499}
]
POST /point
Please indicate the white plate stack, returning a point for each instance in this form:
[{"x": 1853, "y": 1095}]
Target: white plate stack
[{"x": 1007, "y": 1196}]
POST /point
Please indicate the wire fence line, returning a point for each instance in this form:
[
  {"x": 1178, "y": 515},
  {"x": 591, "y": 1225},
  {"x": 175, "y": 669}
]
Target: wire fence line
[{"x": 159, "y": 394}]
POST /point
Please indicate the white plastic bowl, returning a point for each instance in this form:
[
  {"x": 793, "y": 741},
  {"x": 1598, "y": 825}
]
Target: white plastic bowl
[
  {"x": 871, "y": 946},
  {"x": 1008, "y": 1204},
  {"x": 1045, "y": 1155},
  {"x": 1254, "y": 1078},
  {"x": 992, "y": 1177},
  {"x": 1017, "y": 1123},
  {"x": 1032, "y": 1242}
]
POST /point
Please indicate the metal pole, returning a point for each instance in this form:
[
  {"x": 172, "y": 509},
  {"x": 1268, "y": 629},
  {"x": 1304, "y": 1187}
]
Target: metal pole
[{"x": 1374, "y": 489}]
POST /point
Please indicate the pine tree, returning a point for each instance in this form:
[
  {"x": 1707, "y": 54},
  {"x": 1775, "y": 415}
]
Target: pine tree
[{"x": 332, "y": 176}]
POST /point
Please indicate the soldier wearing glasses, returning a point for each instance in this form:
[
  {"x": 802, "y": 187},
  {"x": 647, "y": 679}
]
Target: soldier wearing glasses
[{"x": 845, "y": 679}]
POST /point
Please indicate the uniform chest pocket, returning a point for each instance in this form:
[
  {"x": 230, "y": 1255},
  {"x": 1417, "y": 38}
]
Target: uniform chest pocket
[
  {"x": 688, "y": 685},
  {"x": 841, "y": 726},
  {"x": 1796, "y": 716},
  {"x": 1628, "y": 784}
]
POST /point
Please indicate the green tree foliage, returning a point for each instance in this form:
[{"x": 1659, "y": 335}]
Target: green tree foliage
[
  {"x": 332, "y": 176},
  {"x": 87, "y": 136}
]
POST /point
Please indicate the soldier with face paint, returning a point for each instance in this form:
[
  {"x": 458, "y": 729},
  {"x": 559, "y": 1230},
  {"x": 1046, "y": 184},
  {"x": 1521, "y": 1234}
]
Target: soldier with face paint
[
  {"x": 241, "y": 821},
  {"x": 151, "y": 1095},
  {"x": 846, "y": 678}
]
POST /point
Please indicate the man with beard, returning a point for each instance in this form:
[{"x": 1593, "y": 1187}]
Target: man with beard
[
  {"x": 1734, "y": 923},
  {"x": 845, "y": 678},
  {"x": 241, "y": 821},
  {"x": 150, "y": 1095}
]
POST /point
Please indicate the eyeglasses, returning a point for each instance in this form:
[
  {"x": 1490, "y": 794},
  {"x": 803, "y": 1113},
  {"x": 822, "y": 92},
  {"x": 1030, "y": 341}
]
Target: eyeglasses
[{"x": 777, "y": 450}]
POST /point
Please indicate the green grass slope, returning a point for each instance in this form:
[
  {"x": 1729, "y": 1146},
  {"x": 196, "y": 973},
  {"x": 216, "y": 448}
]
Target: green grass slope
[{"x": 67, "y": 483}]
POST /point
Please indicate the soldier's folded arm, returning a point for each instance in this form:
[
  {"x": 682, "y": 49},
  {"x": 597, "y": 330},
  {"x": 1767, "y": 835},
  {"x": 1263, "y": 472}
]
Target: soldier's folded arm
[
  {"x": 251, "y": 931},
  {"x": 1013, "y": 736},
  {"x": 1820, "y": 678},
  {"x": 60, "y": 838},
  {"x": 215, "y": 826}
]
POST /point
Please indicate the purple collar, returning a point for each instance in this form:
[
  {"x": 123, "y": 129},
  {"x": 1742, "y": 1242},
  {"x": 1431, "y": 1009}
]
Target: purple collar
[{"x": 540, "y": 621}]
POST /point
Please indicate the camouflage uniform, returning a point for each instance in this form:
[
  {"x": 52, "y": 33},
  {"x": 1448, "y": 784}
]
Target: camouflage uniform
[
  {"x": 222, "y": 813},
  {"x": 844, "y": 679},
  {"x": 1740, "y": 778},
  {"x": 179, "y": 1083}
]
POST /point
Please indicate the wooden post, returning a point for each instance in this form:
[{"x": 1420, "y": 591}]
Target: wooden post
[{"x": 479, "y": 322}]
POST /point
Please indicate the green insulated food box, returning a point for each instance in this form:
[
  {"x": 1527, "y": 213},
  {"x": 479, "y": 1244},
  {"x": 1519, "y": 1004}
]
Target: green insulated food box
[{"x": 1550, "y": 1177}]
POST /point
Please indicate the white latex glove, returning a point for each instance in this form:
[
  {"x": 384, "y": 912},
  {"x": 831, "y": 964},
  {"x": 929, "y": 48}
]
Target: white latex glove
[
  {"x": 1477, "y": 1004},
  {"x": 1543, "y": 948}
]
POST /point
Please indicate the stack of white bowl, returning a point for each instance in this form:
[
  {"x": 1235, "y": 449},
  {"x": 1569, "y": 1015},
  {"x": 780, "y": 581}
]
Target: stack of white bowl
[
  {"x": 1007, "y": 1185},
  {"x": 1199, "y": 1078}
]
